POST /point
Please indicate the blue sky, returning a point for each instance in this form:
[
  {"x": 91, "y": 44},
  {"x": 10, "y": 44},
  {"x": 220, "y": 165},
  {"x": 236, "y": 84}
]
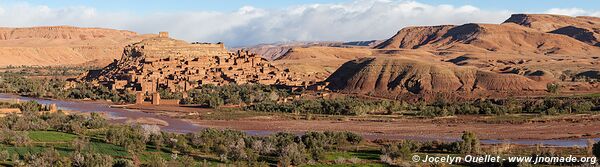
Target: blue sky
[
  {"x": 144, "y": 6},
  {"x": 244, "y": 22}
]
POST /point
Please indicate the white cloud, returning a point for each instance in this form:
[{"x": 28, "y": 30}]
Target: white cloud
[
  {"x": 355, "y": 20},
  {"x": 573, "y": 12}
]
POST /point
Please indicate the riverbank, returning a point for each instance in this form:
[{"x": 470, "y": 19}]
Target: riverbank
[
  {"x": 424, "y": 129},
  {"x": 564, "y": 130},
  {"x": 116, "y": 115},
  {"x": 520, "y": 129}
]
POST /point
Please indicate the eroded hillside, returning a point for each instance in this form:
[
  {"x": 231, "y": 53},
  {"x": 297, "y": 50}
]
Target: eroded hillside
[
  {"x": 520, "y": 56},
  {"x": 63, "y": 45}
]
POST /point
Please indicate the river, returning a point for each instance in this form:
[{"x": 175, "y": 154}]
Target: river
[
  {"x": 119, "y": 115},
  {"x": 177, "y": 125}
]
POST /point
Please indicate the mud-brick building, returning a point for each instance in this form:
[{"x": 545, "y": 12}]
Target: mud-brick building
[{"x": 177, "y": 66}]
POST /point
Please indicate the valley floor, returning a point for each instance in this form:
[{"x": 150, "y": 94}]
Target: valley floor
[{"x": 510, "y": 127}]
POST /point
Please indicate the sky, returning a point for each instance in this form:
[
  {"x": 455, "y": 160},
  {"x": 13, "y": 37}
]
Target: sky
[{"x": 247, "y": 22}]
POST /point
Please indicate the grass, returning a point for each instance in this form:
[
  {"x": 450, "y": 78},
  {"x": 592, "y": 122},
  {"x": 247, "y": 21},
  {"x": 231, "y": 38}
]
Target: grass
[
  {"x": 366, "y": 155},
  {"x": 61, "y": 142},
  {"x": 109, "y": 149},
  {"x": 23, "y": 150},
  {"x": 50, "y": 136}
]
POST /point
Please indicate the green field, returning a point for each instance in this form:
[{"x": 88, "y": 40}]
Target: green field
[
  {"x": 50, "y": 136},
  {"x": 62, "y": 142}
]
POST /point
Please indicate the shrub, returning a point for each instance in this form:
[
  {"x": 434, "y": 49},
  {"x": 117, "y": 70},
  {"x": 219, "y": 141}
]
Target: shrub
[
  {"x": 470, "y": 143},
  {"x": 337, "y": 106},
  {"x": 583, "y": 107},
  {"x": 4, "y": 155},
  {"x": 46, "y": 158},
  {"x": 186, "y": 161},
  {"x": 123, "y": 163},
  {"x": 553, "y": 87},
  {"x": 400, "y": 150},
  {"x": 14, "y": 138},
  {"x": 386, "y": 159},
  {"x": 213, "y": 140},
  {"x": 292, "y": 154},
  {"x": 155, "y": 160},
  {"x": 86, "y": 159},
  {"x": 130, "y": 137},
  {"x": 80, "y": 144},
  {"x": 215, "y": 96}
]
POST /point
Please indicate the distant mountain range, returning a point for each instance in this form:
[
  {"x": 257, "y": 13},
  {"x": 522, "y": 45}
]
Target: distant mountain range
[{"x": 275, "y": 50}]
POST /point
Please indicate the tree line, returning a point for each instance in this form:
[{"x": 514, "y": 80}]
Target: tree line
[
  {"x": 61, "y": 89},
  {"x": 264, "y": 98}
]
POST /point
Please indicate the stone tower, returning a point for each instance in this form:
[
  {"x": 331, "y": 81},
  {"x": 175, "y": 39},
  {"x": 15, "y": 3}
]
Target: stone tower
[
  {"x": 163, "y": 34},
  {"x": 156, "y": 98}
]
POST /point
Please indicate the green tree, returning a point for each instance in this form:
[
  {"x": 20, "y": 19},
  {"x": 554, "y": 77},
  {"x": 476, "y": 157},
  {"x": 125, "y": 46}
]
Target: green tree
[
  {"x": 47, "y": 158},
  {"x": 130, "y": 137},
  {"x": 292, "y": 154},
  {"x": 90, "y": 159}
]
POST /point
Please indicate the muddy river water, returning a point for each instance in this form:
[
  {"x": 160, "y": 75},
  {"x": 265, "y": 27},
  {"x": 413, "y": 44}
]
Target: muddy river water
[{"x": 121, "y": 115}]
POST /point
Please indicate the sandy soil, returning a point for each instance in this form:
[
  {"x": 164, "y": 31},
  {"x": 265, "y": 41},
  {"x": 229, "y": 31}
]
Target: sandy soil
[
  {"x": 558, "y": 127},
  {"x": 422, "y": 129}
]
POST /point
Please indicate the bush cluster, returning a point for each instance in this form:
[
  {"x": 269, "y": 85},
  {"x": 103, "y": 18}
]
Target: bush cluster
[
  {"x": 288, "y": 148},
  {"x": 547, "y": 106},
  {"x": 216, "y": 96},
  {"x": 396, "y": 152},
  {"x": 57, "y": 88},
  {"x": 337, "y": 106}
]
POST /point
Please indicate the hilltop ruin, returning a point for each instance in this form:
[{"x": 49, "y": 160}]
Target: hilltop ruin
[{"x": 178, "y": 66}]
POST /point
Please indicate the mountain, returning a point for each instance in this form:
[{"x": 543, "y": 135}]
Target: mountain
[
  {"x": 415, "y": 37},
  {"x": 490, "y": 38},
  {"x": 393, "y": 76},
  {"x": 319, "y": 61},
  {"x": 517, "y": 57},
  {"x": 582, "y": 28},
  {"x": 63, "y": 45},
  {"x": 275, "y": 50}
]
